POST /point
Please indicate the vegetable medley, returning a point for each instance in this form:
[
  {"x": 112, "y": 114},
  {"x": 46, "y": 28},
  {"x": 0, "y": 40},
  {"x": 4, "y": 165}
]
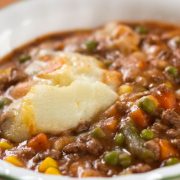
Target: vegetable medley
[{"x": 138, "y": 133}]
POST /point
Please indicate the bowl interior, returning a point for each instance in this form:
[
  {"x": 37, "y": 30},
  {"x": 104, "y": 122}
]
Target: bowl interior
[{"x": 31, "y": 18}]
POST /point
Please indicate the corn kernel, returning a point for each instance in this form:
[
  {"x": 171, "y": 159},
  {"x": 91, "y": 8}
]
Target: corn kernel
[
  {"x": 5, "y": 145},
  {"x": 5, "y": 71},
  {"x": 168, "y": 84},
  {"x": 154, "y": 99},
  {"x": 48, "y": 162},
  {"x": 52, "y": 170},
  {"x": 14, "y": 160},
  {"x": 125, "y": 89}
]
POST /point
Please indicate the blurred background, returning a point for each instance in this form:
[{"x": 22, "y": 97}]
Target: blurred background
[{"x": 4, "y": 3}]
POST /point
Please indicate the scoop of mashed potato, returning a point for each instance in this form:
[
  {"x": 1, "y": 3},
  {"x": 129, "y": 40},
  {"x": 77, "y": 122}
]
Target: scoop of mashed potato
[{"x": 68, "y": 90}]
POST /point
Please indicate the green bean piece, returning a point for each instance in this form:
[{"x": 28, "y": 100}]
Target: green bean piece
[
  {"x": 24, "y": 57},
  {"x": 125, "y": 160},
  {"x": 177, "y": 41},
  {"x": 147, "y": 104},
  {"x": 112, "y": 158},
  {"x": 141, "y": 30},
  {"x": 98, "y": 133},
  {"x": 134, "y": 142},
  {"x": 1, "y": 104},
  {"x": 91, "y": 45},
  {"x": 172, "y": 71},
  {"x": 119, "y": 139},
  {"x": 171, "y": 161},
  {"x": 4, "y": 101},
  {"x": 147, "y": 134}
]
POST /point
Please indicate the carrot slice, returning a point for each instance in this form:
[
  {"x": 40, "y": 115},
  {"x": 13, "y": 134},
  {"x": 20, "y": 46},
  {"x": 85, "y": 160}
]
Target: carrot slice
[
  {"x": 39, "y": 142},
  {"x": 111, "y": 124},
  {"x": 21, "y": 89},
  {"x": 139, "y": 118},
  {"x": 167, "y": 150},
  {"x": 167, "y": 100},
  {"x": 53, "y": 65}
]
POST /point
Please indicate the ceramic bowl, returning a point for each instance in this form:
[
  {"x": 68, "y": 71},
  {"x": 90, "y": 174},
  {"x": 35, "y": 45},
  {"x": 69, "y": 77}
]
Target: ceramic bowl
[{"x": 29, "y": 19}]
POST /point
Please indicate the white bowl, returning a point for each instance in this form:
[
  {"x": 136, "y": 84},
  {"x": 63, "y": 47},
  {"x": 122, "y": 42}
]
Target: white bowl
[{"x": 28, "y": 19}]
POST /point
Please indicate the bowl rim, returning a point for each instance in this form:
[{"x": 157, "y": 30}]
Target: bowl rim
[{"x": 8, "y": 171}]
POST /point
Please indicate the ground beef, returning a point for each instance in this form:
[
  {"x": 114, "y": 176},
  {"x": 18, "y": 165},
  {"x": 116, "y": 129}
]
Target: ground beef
[
  {"x": 82, "y": 127},
  {"x": 155, "y": 77},
  {"x": 176, "y": 60},
  {"x": 91, "y": 173},
  {"x": 176, "y": 143},
  {"x": 153, "y": 145},
  {"x": 170, "y": 117},
  {"x": 22, "y": 152},
  {"x": 139, "y": 168},
  {"x": 13, "y": 77},
  {"x": 62, "y": 141},
  {"x": 16, "y": 76},
  {"x": 162, "y": 88},
  {"x": 139, "y": 95},
  {"x": 165, "y": 54},
  {"x": 101, "y": 166},
  {"x": 173, "y": 133},
  {"x": 75, "y": 147},
  {"x": 49, "y": 153},
  {"x": 117, "y": 109},
  {"x": 66, "y": 162},
  {"x": 53, "y": 153},
  {"x": 77, "y": 168},
  {"x": 127, "y": 66},
  {"x": 159, "y": 129},
  {"x": 92, "y": 146}
]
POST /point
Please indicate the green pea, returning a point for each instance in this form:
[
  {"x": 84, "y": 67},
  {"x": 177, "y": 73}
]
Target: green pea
[
  {"x": 125, "y": 159},
  {"x": 119, "y": 139},
  {"x": 107, "y": 62},
  {"x": 1, "y": 104},
  {"x": 171, "y": 161},
  {"x": 172, "y": 71},
  {"x": 98, "y": 133},
  {"x": 147, "y": 134},
  {"x": 4, "y": 101},
  {"x": 91, "y": 45},
  {"x": 147, "y": 104},
  {"x": 24, "y": 57},
  {"x": 141, "y": 30},
  {"x": 112, "y": 158},
  {"x": 177, "y": 41}
]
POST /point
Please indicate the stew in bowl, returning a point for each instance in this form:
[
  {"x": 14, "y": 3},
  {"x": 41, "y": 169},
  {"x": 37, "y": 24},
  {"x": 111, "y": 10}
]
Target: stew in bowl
[{"x": 93, "y": 103}]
